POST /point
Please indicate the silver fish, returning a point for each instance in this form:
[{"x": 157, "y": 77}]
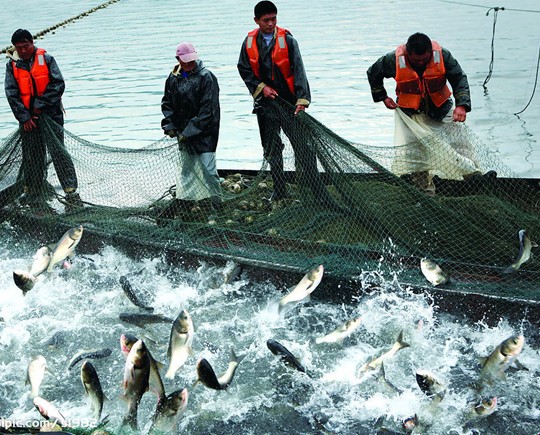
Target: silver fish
[
  {"x": 485, "y": 407},
  {"x": 168, "y": 412},
  {"x": 341, "y": 333},
  {"x": 501, "y": 358},
  {"x": 374, "y": 363},
  {"x": 304, "y": 288},
  {"x": 207, "y": 376},
  {"x": 49, "y": 411},
  {"x": 430, "y": 385},
  {"x": 155, "y": 383},
  {"x": 35, "y": 374},
  {"x": 524, "y": 254},
  {"x": 24, "y": 280},
  {"x": 40, "y": 261},
  {"x": 433, "y": 272},
  {"x": 180, "y": 341},
  {"x": 66, "y": 246},
  {"x": 136, "y": 380},
  {"x": 92, "y": 386}
]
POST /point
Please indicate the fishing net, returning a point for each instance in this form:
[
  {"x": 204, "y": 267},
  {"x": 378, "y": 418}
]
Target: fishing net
[{"x": 344, "y": 207}]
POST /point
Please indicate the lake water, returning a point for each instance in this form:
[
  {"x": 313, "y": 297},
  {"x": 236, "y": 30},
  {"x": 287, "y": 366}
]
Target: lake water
[{"x": 115, "y": 62}]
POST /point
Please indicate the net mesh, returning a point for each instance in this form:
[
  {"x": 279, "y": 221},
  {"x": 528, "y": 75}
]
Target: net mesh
[{"x": 344, "y": 207}]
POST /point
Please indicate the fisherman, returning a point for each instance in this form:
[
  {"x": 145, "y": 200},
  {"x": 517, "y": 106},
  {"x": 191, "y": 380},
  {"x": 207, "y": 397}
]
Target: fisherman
[
  {"x": 271, "y": 66},
  {"x": 421, "y": 69},
  {"x": 34, "y": 86},
  {"x": 191, "y": 111}
]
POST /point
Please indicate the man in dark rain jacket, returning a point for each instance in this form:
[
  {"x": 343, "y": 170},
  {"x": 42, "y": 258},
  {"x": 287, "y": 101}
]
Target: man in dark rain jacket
[
  {"x": 34, "y": 86},
  {"x": 191, "y": 111},
  {"x": 270, "y": 65},
  {"x": 422, "y": 68}
]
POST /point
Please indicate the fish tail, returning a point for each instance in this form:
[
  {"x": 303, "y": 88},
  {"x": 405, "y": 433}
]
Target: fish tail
[
  {"x": 510, "y": 269},
  {"x": 235, "y": 358},
  {"x": 402, "y": 344},
  {"x": 131, "y": 416}
]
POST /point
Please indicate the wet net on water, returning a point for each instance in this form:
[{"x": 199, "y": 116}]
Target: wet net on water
[{"x": 343, "y": 208}]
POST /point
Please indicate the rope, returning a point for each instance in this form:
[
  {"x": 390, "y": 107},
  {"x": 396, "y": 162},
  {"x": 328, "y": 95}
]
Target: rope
[
  {"x": 496, "y": 9},
  {"x": 535, "y": 83},
  {"x": 484, "y": 7},
  {"x": 63, "y": 23}
]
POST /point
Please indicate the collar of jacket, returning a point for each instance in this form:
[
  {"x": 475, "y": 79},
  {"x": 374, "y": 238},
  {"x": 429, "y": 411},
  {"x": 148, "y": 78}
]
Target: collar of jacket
[{"x": 177, "y": 69}]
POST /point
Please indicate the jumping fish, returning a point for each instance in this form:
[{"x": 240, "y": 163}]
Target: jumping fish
[
  {"x": 92, "y": 386},
  {"x": 168, "y": 412},
  {"x": 524, "y": 254},
  {"x": 430, "y": 385},
  {"x": 136, "y": 380},
  {"x": 40, "y": 261},
  {"x": 24, "y": 280},
  {"x": 286, "y": 356},
  {"x": 92, "y": 353},
  {"x": 433, "y": 272},
  {"x": 374, "y": 363},
  {"x": 207, "y": 376},
  {"x": 143, "y": 319},
  {"x": 130, "y": 293},
  {"x": 35, "y": 374},
  {"x": 341, "y": 333},
  {"x": 485, "y": 407},
  {"x": 66, "y": 246},
  {"x": 501, "y": 358},
  {"x": 180, "y": 341},
  {"x": 304, "y": 288},
  {"x": 49, "y": 411},
  {"x": 156, "y": 384}
]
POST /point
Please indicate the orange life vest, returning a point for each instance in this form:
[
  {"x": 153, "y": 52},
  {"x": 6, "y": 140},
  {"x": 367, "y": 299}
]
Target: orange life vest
[
  {"x": 34, "y": 82},
  {"x": 280, "y": 55},
  {"x": 411, "y": 88}
]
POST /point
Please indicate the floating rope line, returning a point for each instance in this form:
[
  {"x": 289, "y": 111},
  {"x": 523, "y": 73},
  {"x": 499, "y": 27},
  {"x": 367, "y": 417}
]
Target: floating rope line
[
  {"x": 488, "y": 78},
  {"x": 496, "y": 10},
  {"x": 63, "y": 23},
  {"x": 486, "y": 7},
  {"x": 535, "y": 83}
]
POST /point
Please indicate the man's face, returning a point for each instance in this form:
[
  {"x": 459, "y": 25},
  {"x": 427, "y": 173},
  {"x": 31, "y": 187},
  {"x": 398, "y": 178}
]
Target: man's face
[
  {"x": 419, "y": 60},
  {"x": 267, "y": 23},
  {"x": 25, "y": 49},
  {"x": 187, "y": 66}
]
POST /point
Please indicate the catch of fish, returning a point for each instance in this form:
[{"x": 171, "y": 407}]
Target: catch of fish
[{"x": 142, "y": 373}]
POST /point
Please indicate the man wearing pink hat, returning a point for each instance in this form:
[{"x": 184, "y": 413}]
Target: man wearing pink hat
[{"x": 191, "y": 111}]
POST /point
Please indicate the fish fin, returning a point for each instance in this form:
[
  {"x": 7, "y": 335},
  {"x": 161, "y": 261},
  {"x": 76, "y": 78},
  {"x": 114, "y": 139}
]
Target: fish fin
[
  {"x": 71, "y": 255},
  {"x": 190, "y": 351},
  {"x": 236, "y": 358},
  {"x": 170, "y": 373},
  {"x": 159, "y": 365},
  {"x": 520, "y": 366},
  {"x": 482, "y": 361},
  {"x": 402, "y": 344}
]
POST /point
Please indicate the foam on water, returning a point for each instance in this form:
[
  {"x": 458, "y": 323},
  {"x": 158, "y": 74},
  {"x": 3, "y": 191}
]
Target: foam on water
[{"x": 84, "y": 302}]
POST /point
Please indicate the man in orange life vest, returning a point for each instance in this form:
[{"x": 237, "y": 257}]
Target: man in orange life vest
[
  {"x": 34, "y": 86},
  {"x": 421, "y": 68},
  {"x": 270, "y": 65}
]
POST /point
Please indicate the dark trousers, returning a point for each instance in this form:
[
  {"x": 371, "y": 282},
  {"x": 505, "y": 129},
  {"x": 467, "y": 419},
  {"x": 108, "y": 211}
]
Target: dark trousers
[
  {"x": 35, "y": 145},
  {"x": 272, "y": 120}
]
